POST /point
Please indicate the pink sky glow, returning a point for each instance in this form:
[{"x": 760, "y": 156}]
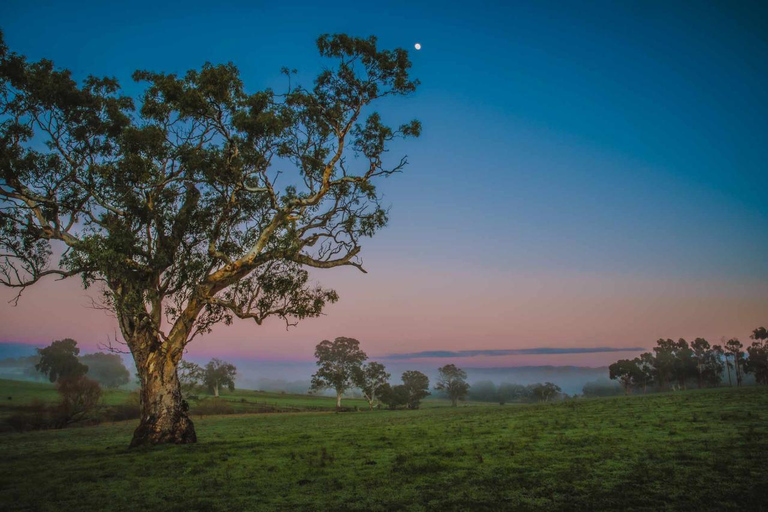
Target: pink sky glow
[{"x": 394, "y": 310}]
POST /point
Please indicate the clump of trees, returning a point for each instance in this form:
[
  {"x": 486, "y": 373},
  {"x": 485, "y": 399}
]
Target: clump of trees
[
  {"x": 409, "y": 394},
  {"x": 677, "y": 364},
  {"x": 506, "y": 392},
  {"x": 60, "y": 361},
  {"x": 342, "y": 367}
]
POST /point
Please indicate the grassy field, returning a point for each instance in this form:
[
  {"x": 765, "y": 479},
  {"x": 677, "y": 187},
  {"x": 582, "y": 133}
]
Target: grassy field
[
  {"x": 695, "y": 450},
  {"x": 15, "y": 393}
]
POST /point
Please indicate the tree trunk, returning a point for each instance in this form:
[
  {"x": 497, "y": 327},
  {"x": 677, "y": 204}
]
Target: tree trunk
[
  {"x": 338, "y": 401},
  {"x": 216, "y": 390},
  {"x": 454, "y": 402},
  {"x": 164, "y": 417}
]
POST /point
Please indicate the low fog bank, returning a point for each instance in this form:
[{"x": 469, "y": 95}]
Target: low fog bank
[{"x": 294, "y": 376}]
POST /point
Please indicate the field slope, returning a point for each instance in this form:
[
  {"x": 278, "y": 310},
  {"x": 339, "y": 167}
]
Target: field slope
[{"x": 695, "y": 450}]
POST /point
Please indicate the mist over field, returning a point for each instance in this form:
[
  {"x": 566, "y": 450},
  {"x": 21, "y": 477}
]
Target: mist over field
[{"x": 294, "y": 376}]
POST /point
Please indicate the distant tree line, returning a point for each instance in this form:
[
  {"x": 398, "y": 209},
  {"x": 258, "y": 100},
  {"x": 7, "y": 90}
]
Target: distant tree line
[
  {"x": 678, "y": 364},
  {"x": 506, "y": 392},
  {"x": 61, "y": 360}
]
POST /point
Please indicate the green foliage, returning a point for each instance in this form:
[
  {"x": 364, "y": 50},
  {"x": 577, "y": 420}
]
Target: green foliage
[
  {"x": 171, "y": 199},
  {"x": 628, "y": 372},
  {"x": 416, "y": 385},
  {"x": 545, "y": 392},
  {"x": 369, "y": 379},
  {"x": 59, "y": 360},
  {"x": 509, "y": 392},
  {"x": 452, "y": 380},
  {"x": 757, "y": 362},
  {"x": 218, "y": 374},
  {"x": 394, "y": 397},
  {"x": 338, "y": 362},
  {"x": 693, "y": 450}
]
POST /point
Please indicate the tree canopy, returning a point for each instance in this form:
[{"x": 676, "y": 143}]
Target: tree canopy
[
  {"x": 218, "y": 374},
  {"x": 59, "y": 361},
  {"x": 452, "y": 380},
  {"x": 417, "y": 387},
  {"x": 370, "y": 378},
  {"x": 196, "y": 201},
  {"x": 338, "y": 362}
]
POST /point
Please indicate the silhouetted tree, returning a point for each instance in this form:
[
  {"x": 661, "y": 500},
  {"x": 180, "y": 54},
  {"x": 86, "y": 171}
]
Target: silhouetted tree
[
  {"x": 722, "y": 355},
  {"x": 452, "y": 380},
  {"x": 218, "y": 374},
  {"x": 757, "y": 362},
  {"x": 170, "y": 200},
  {"x": 509, "y": 392},
  {"x": 338, "y": 360},
  {"x": 733, "y": 349},
  {"x": 59, "y": 360},
  {"x": 545, "y": 392},
  {"x": 646, "y": 370},
  {"x": 664, "y": 361},
  {"x": 370, "y": 378},
  {"x": 701, "y": 353},
  {"x": 417, "y": 386},
  {"x": 394, "y": 396},
  {"x": 627, "y": 372},
  {"x": 107, "y": 369}
]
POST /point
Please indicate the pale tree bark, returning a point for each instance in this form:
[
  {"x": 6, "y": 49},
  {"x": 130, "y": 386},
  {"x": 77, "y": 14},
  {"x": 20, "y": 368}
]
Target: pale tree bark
[
  {"x": 164, "y": 414},
  {"x": 338, "y": 400}
]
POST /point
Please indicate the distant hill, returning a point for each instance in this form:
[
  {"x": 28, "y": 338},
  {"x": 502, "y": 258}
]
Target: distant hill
[{"x": 10, "y": 349}]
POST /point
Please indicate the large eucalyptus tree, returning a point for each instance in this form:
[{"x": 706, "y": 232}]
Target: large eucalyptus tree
[{"x": 196, "y": 202}]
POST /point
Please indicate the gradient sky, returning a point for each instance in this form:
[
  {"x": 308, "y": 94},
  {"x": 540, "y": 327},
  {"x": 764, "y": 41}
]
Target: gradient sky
[{"x": 589, "y": 175}]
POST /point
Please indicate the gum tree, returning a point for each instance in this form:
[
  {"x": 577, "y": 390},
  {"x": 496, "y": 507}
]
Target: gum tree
[
  {"x": 196, "y": 202},
  {"x": 339, "y": 362},
  {"x": 370, "y": 379},
  {"x": 452, "y": 380}
]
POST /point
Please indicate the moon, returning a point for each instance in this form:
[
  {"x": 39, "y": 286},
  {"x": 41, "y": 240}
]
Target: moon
[{"x": 417, "y": 46}]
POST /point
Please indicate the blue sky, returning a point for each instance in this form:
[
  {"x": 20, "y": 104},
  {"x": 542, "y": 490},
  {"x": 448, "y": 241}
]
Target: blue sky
[{"x": 621, "y": 140}]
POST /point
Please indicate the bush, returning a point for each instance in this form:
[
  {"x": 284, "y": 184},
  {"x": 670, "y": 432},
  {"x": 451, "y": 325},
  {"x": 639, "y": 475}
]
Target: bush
[{"x": 79, "y": 397}]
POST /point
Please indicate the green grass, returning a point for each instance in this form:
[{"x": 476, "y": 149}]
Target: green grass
[
  {"x": 15, "y": 393},
  {"x": 695, "y": 450}
]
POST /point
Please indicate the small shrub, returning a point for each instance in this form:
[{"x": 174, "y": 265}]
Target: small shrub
[{"x": 79, "y": 397}]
